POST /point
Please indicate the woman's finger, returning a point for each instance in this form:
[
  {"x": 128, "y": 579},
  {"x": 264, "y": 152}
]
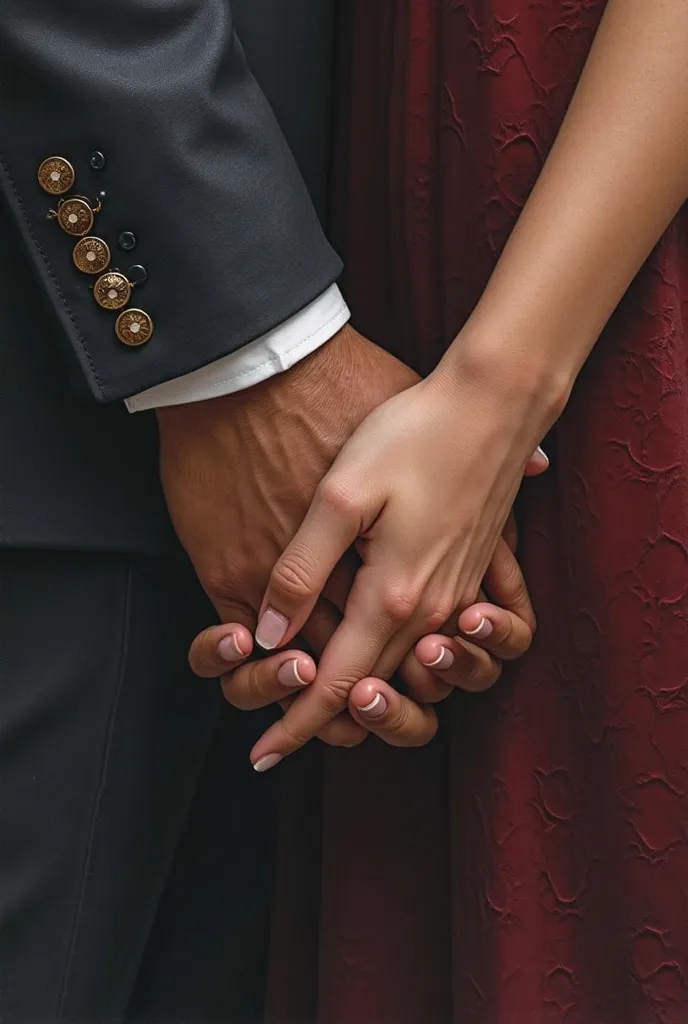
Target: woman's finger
[
  {"x": 342, "y": 731},
  {"x": 218, "y": 649},
  {"x": 390, "y": 715},
  {"x": 349, "y": 657},
  {"x": 301, "y": 573},
  {"x": 458, "y": 664}
]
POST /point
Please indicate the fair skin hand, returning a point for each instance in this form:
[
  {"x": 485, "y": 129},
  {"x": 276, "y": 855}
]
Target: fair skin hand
[
  {"x": 425, "y": 485},
  {"x": 398, "y": 718},
  {"x": 239, "y": 473}
]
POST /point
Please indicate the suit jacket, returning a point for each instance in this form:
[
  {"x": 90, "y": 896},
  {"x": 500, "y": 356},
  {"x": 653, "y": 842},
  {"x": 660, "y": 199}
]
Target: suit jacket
[{"x": 151, "y": 102}]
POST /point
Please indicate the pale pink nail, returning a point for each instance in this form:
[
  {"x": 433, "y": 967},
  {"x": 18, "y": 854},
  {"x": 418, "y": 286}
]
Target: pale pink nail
[
  {"x": 481, "y": 631},
  {"x": 443, "y": 661},
  {"x": 271, "y": 629},
  {"x": 288, "y": 674},
  {"x": 376, "y": 708},
  {"x": 267, "y": 762},
  {"x": 229, "y": 650}
]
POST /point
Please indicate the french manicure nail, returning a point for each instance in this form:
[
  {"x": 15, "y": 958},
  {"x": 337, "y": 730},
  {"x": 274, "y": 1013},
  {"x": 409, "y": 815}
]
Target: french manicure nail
[
  {"x": 544, "y": 454},
  {"x": 376, "y": 708},
  {"x": 267, "y": 762},
  {"x": 229, "y": 650},
  {"x": 481, "y": 631},
  {"x": 443, "y": 661},
  {"x": 288, "y": 674},
  {"x": 271, "y": 629}
]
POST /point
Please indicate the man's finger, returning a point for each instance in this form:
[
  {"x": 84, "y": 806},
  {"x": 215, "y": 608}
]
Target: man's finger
[
  {"x": 218, "y": 649},
  {"x": 458, "y": 664},
  {"x": 506, "y": 586},
  {"x": 302, "y": 571},
  {"x": 394, "y": 718},
  {"x": 420, "y": 683},
  {"x": 256, "y": 684},
  {"x": 496, "y": 630},
  {"x": 537, "y": 464},
  {"x": 341, "y": 580}
]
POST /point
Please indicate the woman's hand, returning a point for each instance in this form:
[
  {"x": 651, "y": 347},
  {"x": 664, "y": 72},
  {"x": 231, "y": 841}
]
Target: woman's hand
[
  {"x": 429, "y": 674},
  {"x": 424, "y": 486}
]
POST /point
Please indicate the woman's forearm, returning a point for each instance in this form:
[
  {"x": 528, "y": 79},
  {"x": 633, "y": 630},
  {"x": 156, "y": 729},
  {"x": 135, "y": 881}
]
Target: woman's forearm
[{"x": 615, "y": 178}]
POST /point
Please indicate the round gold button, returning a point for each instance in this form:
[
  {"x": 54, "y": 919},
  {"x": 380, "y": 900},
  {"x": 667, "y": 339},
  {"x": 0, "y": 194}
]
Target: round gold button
[
  {"x": 75, "y": 216},
  {"x": 92, "y": 255},
  {"x": 134, "y": 327},
  {"x": 56, "y": 175},
  {"x": 112, "y": 290}
]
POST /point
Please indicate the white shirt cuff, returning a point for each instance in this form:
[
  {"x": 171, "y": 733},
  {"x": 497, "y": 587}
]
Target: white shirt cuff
[{"x": 272, "y": 353}]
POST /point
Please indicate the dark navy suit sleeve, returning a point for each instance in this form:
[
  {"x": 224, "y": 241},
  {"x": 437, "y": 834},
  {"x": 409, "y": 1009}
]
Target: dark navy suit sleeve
[{"x": 151, "y": 102}]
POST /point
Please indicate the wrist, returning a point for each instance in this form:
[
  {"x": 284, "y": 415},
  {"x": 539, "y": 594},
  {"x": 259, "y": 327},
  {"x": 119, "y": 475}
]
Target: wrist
[{"x": 508, "y": 368}]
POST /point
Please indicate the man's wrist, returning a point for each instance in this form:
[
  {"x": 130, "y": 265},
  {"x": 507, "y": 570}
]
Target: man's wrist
[{"x": 262, "y": 358}]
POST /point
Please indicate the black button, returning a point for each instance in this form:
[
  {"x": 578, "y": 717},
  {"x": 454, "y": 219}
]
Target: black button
[
  {"x": 137, "y": 274},
  {"x": 127, "y": 241},
  {"x": 97, "y": 161}
]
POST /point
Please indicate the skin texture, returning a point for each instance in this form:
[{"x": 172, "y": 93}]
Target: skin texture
[
  {"x": 616, "y": 176},
  {"x": 239, "y": 473}
]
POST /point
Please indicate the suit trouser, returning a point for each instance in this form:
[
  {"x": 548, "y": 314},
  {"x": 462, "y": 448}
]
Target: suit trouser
[{"x": 135, "y": 840}]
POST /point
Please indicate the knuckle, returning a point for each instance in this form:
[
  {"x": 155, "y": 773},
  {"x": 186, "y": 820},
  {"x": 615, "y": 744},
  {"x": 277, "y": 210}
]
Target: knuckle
[
  {"x": 515, "y": 585},
  {"x": 220, "y": 582},
  {"x": 295, "y": 737},
  {"x": 435, "y": 615},
  {"x": 338, "y": 496},
  {"x": 234, "y": 695},
  {"x": 398, "y": 722},
  {"x": 483, "y": 675},
  {"x": 255, "y": 680},
  {"x": 335, "y": 692},
  {"x": 399, "y": 604},
  {"x": 199, "y": 652},
  {"x": 294, "y": 574}
]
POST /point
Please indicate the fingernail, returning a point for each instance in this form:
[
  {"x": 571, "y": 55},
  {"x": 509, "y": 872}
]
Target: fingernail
[
  {"x": 481, "y": 631},
  {"x": 444, "y": 660},
  {"x": 288, "y": 674},
  {"x": 229, "y": 650},
  {"x": 267, "y": 762},
  {"x": 544, "y": 454},
  {"x": 376, "y": 708},
  {"x": 271, "y": 629}
]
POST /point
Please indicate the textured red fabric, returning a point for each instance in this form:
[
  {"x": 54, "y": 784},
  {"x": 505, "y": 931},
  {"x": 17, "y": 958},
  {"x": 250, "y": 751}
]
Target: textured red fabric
[{"x": 531, "y": 865}]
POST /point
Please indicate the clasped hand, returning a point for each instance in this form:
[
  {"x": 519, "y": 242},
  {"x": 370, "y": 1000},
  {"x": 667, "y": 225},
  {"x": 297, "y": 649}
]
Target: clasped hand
[{"x": 240, "y": 474}]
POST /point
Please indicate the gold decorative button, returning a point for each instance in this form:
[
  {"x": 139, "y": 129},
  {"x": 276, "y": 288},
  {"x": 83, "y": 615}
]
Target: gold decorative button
[
  {"x": 92, "y": 255},
  {"x": 75, "y": 216},
  {"x": 56, "y": 175},
  {"x": 112, "y": 290},
  {"x": 134, "y": 327}
]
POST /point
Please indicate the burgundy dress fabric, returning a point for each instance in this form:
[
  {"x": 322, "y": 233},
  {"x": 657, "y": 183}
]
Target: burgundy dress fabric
[{"x": 531, "y": 865}]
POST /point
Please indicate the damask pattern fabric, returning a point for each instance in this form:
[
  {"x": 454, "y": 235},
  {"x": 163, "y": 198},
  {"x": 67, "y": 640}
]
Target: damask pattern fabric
[{"x": 531, "y": 866}]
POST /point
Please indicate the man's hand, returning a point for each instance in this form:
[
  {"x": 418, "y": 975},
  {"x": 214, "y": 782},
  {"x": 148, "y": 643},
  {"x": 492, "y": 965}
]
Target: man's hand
[{"x": 239, "y": 473}]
